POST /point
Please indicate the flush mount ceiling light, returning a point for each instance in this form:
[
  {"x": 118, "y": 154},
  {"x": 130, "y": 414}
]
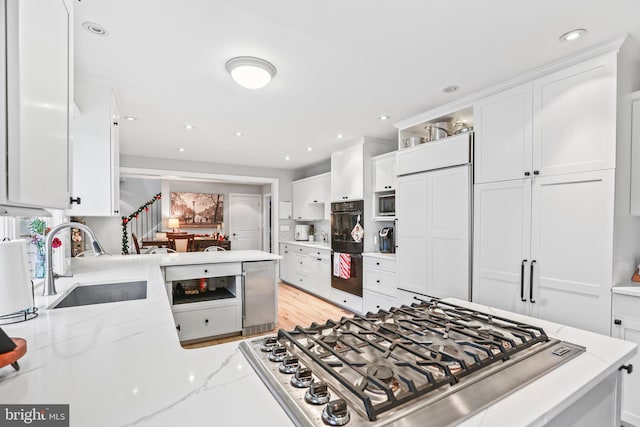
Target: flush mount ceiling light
[
  {"x": 94, "y": 28},
  {"x": 450, "y": 89},
  {"x": 250, "y": 72},
  {"x": 573, "y": 35}
]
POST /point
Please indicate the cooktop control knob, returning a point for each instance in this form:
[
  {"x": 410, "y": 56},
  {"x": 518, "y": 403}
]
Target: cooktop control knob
[
  {"x": 336, "y": 413},
  {"x": 268, "y": 344},
  {"x": 278, "y": 354},
  {"x": 317, "y": 394},
  {"x": 289, "y": 365},
  {"x": 302, "y": 378}
]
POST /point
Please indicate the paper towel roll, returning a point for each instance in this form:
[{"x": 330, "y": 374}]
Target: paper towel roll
[{"x": 15, "y": 282}]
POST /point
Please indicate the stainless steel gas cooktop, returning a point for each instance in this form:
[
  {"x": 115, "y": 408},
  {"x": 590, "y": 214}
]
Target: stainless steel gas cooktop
[{"x": 431, "y": 364}]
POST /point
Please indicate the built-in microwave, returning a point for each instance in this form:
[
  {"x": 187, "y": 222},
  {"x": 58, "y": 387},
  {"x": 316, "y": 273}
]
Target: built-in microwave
[{"x": 386, "y": 204}]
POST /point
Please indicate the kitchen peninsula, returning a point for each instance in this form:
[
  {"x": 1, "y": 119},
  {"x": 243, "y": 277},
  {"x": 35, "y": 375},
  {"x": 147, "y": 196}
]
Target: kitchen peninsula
[{"x": 121, "y": 364}]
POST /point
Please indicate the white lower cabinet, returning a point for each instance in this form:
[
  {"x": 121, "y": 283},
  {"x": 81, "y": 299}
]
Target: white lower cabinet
[
  {"x": 307, "y": 268},
  {"x": 374, "y": 301},
  {"x": 379, "y": 283},
  {"x": 626, "y": 326},
  {"x": 208, "y": 322},
  {"x": 543, "y": 247},
  {"x": 344, "y": 299}
]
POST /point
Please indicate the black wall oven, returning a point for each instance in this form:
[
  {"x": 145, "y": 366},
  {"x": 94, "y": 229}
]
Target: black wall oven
[{"x": 346, "y": 270}]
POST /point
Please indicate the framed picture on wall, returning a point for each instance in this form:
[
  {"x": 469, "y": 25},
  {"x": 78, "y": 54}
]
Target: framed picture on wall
[{"x": 198, "y": 210}]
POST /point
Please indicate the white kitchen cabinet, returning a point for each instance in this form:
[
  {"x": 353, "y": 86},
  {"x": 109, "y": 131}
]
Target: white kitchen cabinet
[
  {"x": 208, "y": 322},
  {"x": 564, "y": 122},
  {"x": 504, "y": 135},
  {"x": 36, "y": 74},
  {"x": 574, "y": 118},
  {"x": 307, "y": 268},
  {"x": 96, "y": 175},
  {"x": 373, "y": 301},
  {"x": 347, "y": 172},
  {"x": 635, "y": 155},
  {"x": 311, "y": 198},
  {"x": 543, "y": 247},
  {"x": 433, "y": 241},
  {"x": 385, "y": 172},
  {"x": 347, "y": 300},
  {"x": 626, "y": 326},
  {"x": 379, "y": 276}
]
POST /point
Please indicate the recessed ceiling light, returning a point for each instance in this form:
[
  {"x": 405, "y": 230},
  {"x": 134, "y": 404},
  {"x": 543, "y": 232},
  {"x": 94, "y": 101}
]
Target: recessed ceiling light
[
  {"x": 238, "y": 133},
  {"x": 309, "y": 148},
  {"x": 181, "y": 150},
  {"x": 287, "y": 158},
  {"x": 94, "y": 28},
  {"x": 339, "y": 136},
  {"x": 250, "y": 72},
  {"x": 573, "y": 35},
  {"x": 130, "y": 118},
  {"x": 188, "y": 127},
  {"x": 228, "y": 148},
  {"x": 384, "y": 118},
  {"x": 450, "y": 89}
]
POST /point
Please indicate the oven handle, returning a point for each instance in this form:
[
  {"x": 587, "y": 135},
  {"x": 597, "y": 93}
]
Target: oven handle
[
  {"x": 347, "y": 212},
  {"x": 531, "y": 300},
  {"x": 524, "y": 261}
]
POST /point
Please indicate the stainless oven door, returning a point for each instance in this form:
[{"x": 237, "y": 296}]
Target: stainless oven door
[{"x": 353, "y": 284}]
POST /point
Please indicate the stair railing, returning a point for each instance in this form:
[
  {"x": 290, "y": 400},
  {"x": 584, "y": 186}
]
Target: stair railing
[{"x": 145, "y": 222}]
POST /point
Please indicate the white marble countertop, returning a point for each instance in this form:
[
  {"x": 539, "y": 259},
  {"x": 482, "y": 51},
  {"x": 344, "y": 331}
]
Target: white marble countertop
[
  {"x": 120, "y": 364},
  {"x": 380, "y": 255},
  {"x": 314, "y": 245},
  {"x": 632, "y": 289}
]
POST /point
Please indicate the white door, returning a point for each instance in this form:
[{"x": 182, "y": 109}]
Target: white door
[
  {"x": 503, "y": 135},
  {"x": 448, "y": 239},
  {"x": 572, "y": 249},
  {"x": 575, "y": 118},
  {"x": 501, "y": 244},
  {"x": 411, "y": 253},
  {"x": 245, "y": 221}
]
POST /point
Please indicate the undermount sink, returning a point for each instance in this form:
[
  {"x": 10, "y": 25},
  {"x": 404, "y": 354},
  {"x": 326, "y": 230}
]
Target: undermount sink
[{"x": 104, "y": 293}]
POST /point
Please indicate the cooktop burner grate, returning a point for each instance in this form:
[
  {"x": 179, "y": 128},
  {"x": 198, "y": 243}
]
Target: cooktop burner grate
[{"x": 389, "y": 358}]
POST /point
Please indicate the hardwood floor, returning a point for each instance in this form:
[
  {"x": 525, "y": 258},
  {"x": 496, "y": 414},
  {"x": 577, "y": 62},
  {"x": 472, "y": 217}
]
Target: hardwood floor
[{"x": 295, "y": 307}]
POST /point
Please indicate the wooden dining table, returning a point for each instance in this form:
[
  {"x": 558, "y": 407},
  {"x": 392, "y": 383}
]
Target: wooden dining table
[{"x": 200, "y": 243}]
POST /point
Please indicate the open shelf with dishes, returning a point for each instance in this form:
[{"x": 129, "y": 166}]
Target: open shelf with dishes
[{"x": 437, "y": 128}]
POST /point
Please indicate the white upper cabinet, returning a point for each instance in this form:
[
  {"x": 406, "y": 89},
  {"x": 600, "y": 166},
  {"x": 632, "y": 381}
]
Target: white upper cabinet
[
  {"x": 347, "y": 173},
  {"x": 311, "y": 198},
  {"x": 38, "y": 42},
  {"x": 575, "y": 118},
  {"x": 96, "y": 177},
  {"x": 384, "y": 172},
  {"x": 564, "y": 122},
  {"x": 503, "y": 132}
]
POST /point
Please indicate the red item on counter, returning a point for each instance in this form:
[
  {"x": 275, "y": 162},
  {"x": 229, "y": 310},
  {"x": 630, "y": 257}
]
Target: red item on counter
[{"x": 203, "y": 285}]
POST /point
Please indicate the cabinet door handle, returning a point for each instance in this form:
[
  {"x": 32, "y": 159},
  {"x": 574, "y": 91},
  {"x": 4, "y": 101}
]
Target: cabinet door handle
[
  {"x": 617, "y": 322},
  {"x": 527, "y": 173},
  {"x": 531, "y": 300},
  {"x": 377, "y": 281},
  {"x": 377, "y": 306},
  {"x": 206, "y": 321},
  {"x": 377, "y": 263},
  {"x": 77, "y": 200},
  {"x": 524, "y": 261},
  {"x": 206, "y": 271},
  {"x": 536, "y": 172},
  {"x": 628, "y": 368},
  {"x": 178, "y": 327}
]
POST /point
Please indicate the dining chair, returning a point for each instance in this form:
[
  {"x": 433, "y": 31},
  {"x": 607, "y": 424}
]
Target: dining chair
[
  {"x": 160, "y": 251},
  {"x": 214, "y": 248},
  {"x": 181, "y": 242},
  {"x": 134, "y": 237}
]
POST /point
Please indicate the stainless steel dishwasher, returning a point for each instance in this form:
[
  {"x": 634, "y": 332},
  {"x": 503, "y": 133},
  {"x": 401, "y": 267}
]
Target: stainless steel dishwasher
[{"x": 259, "y": 297}]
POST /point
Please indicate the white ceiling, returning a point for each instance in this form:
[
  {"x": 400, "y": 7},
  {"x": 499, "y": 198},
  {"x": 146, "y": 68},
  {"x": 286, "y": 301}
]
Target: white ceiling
[{"x": 341, "y": 64}]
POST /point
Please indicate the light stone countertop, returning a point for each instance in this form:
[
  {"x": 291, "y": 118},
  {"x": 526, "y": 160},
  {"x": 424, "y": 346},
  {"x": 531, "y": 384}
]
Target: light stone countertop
[
  {"x": 380, "y": 255},
  {"x": 120, "y": 364},
  {"x": 631, "y": 289},
  {"x": 313, "y": 245}
]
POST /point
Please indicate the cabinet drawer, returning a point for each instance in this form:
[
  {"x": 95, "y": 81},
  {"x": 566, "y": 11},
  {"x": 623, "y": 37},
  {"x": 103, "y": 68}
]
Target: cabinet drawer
[
  {"x": 352, "y": 302},
  {"x": 626, "y": 305},
  {"x": 208, "y": 322},
  {"x": 380, "y": 281},
  {"x": 182, "y": 272},
  {"x": 379, "y": 263},
  {"x": 374, "y": 302}
]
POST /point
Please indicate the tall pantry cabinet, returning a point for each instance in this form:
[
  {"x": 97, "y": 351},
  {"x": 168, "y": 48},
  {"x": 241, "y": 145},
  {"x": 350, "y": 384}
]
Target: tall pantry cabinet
[{"x": 546, "y": 193}]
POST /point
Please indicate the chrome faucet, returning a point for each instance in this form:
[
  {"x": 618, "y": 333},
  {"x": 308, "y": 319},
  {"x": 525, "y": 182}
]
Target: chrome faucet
[{"x": 49, "y": 285}]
